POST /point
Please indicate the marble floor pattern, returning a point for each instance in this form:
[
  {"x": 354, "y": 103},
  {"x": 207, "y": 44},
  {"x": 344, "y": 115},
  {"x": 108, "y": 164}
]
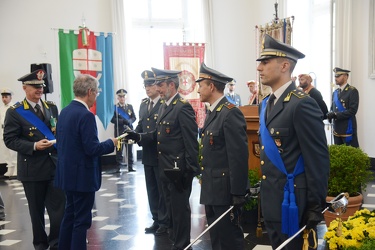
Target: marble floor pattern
[{"x": 120, "y": 215}]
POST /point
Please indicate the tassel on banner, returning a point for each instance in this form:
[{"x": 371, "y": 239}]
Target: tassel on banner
[
  {"x": 293, "y": 215},
  {"x": 85, "y": 32}
]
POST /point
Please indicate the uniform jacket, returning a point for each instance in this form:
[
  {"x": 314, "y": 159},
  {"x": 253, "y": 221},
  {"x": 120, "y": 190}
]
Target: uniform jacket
[
  {"x": 224, "y": 160},
  {"x": 317, "y": 96},
  {"x": 78, "y": 167},
  {"x": 177, "y": 137},
  {"x": 20, "y": 135},
  {"x": 120, "y": 123},
  {"x": 295, "y": 125},
  {"x": 236, "y": 100},
  {"x": 147, "y": 123},
  {"x": 349, "y": 98}
]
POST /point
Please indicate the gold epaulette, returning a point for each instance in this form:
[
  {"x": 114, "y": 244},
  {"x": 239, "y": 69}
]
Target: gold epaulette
[
  {"x": 17, "y": 105},
  {"x": 349, "y": 87},
  {"x": 46, "y": 103},
  {"x": 181, "y": 100},
  {"x": 297, "y": 93},
  {"x": 227, "y": 105}
]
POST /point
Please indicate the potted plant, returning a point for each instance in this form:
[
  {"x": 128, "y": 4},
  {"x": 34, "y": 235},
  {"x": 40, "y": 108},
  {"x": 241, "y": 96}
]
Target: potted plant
[
  {"x": 349, "y": 172},
  {"x": 250, "y": 214}
]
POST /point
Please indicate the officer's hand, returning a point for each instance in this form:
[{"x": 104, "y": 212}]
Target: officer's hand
[
  {"x": 43, "y": 144},
  {"x": 133, "y": 136},
  {"x": 238, "y": 200},
  {"x": 313, "y": 217},
  {"x": 331, "y": 116}
]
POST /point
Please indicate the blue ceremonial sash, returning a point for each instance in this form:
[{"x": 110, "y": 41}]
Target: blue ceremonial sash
[
  {"x": 122, "y": 113},
  {"x": 289, "y": 220},
  {"x": 349, "y": 130},
  {"x": 231, "y": 100},
  {"x": 34, "y": 120}
]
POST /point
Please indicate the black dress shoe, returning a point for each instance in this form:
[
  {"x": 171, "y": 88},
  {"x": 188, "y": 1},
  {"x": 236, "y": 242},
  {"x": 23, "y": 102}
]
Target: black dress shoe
[
  {"x": 152, "y": 228},
  {"x": 131, "y": 169},
  {"x": 161, "y": 231}
]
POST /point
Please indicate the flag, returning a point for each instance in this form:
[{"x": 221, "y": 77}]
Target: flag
[{"x": 87, "y": 53}]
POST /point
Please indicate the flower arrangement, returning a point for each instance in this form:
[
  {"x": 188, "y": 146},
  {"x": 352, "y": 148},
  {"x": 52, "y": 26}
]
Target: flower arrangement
[{"x": 358, "y": 232}]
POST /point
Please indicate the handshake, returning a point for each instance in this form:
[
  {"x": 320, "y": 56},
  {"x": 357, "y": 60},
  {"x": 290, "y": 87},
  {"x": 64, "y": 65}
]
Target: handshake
[{"x": 331, "y": 116}]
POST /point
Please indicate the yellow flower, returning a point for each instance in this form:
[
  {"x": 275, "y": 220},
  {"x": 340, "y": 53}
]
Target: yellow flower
[{"x": 357, "y": 229}]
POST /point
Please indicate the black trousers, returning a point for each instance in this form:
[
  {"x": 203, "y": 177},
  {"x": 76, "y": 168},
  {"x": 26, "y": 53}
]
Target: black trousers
[
  {"x": 342, "y": 140},
  {"x": 43, "y": 195},
  {"x": 277, "y": 237},
  {"x": 120, "y": 156},
  {"x": 226, "y": 234},
  {"x": 155, "y": 196},
  {"x": 179, "y": 212}
]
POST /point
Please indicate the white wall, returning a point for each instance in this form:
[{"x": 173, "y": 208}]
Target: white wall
[
  {"x": 27, "y": 37},
  {"x": 234, "y": 36}
]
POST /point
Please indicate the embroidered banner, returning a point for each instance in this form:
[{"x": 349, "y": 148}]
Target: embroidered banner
[
  {"x": 187, "y": 57},
  {"x": 88, "y": 53}
]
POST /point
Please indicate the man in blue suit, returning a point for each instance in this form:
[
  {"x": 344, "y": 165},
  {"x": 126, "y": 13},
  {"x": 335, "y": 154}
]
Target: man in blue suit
[{"x": 78, "y": 170}]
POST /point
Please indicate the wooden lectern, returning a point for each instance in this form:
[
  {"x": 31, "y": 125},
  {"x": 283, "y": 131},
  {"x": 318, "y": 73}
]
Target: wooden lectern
[{"x": 252, "y": 126}]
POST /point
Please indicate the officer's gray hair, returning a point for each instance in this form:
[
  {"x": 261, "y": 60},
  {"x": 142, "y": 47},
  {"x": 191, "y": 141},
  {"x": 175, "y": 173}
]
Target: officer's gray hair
[
  {"x": 175, "y": 80},
  {"x": 83, "y": 83}
]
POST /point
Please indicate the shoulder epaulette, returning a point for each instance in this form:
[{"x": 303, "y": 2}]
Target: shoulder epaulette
[
  {"x": 51, "y": 103},
  {"x": 183, "y": 100},
  {"x": 144, "y": 99},
  {"x": 17, "y": 105},
  {"x": 297, "y": 93},
  {"x": 229, "y": 105},
  {"x": 349, "y": 87}
]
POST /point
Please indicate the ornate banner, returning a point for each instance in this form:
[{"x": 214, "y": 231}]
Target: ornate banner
[
  {"x": 187, "y": 57},
  {"x": 280, "y": 29}
]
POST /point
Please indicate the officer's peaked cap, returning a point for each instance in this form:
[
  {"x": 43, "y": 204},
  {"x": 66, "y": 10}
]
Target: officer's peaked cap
[
  {"x": 272, "y": 48},
  {"x": 211, "y": 74}
]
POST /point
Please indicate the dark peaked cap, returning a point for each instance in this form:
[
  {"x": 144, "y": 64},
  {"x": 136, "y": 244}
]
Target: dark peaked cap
[
  {"x": 211, "y": 74},
  {"x": 34, "y": 78},
  {"x": 162, "y": 75},
  {"x": 273, "y": 48},
  {"x": 338, "y": 71},
  {"x": 148, "y": 77}
]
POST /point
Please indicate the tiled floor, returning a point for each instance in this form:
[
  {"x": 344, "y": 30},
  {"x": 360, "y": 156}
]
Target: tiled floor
[{"x": 120, "y": 215}]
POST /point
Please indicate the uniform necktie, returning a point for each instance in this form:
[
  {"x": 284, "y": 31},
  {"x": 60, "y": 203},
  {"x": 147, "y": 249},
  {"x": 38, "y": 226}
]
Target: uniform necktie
[
  {"x": 150, "y": 106},
  {"x": 270, "y": 104},
  {"x": 39, "y": 112},
  {"x": 339, "y": 91}
]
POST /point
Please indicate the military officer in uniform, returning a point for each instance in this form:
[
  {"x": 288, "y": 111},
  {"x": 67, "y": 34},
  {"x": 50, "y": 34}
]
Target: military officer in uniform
[
  {"x": 305, "y": 82},
  {"x": 30, "y": 127},
  {"x": 123, "y": 119},
  {"x": 9, "y": 155},
  {"x": 224, "y": 161},
  {"x": 345, "y": 101},
  {"x": 231, "y": 96},
  {"x": 148, "y": 114},
  {"x": 176, "y": 134},
  {"x": 294, "y": 159}
]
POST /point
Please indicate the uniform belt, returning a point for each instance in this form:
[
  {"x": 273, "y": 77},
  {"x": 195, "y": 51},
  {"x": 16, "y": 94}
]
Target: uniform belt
[{"x": 338, "y": 135}]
